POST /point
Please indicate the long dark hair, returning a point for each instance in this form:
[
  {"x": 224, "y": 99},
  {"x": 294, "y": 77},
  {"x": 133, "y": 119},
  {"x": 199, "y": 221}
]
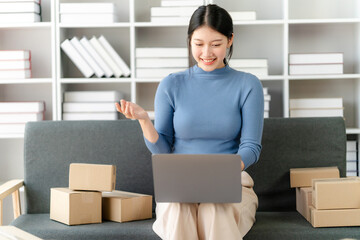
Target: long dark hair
[{"x": 215, "y": 17}]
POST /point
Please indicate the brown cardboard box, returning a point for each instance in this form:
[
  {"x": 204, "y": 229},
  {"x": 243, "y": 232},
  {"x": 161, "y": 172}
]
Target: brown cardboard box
[
  {"x": 303, "y": 201},
  {"x": 302, "y": 177},
  {"x": 336, "y": 193},
  {"x": 75, "y": 207},
  {"x": 122, "y": 206},
  {"x": 11, "y": 232},
  {"x": 92, "y": 177},
  {"x": 335, "y": 218}
]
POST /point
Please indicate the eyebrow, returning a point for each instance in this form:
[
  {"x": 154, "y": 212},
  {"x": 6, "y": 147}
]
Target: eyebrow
[{"x": 216, "y": 40}]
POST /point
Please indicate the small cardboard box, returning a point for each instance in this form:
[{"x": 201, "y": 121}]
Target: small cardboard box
[
  {"x": 11, "y": 232},
  {"x": 336, "y": 193},
  {"x": 303, "y": 201},
  {"x": 119, "y": 206},
  {"x": 75, "y": 207},
  {"x": 302, "y": 177},
  {"x": 335, "y": 218},
  {"x": 92, "y": 177}
]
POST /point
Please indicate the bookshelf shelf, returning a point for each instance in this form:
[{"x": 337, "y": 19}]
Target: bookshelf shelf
[
  {"x": 325, "y": 21},
  {"x": 95, "y": 80},
  {"x": 11, "y": 136},
  {"x": 111, "y": 25},
  {"x": 324, "y": 77},
  {"x": 26, "y": 25}
]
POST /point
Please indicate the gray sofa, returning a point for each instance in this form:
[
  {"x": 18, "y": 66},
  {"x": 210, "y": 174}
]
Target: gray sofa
[{"x": 50, "y": 147}]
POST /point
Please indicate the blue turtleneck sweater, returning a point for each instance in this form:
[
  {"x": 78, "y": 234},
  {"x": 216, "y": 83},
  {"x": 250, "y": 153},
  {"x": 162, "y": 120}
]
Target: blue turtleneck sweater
[{"x": 199, "y": 112}]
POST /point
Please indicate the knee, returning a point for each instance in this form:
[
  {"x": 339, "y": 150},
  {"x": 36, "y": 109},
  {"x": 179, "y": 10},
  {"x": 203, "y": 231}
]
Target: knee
[
  {"x": 177, "y": 208},
  {"x": 212, "y": 208}
]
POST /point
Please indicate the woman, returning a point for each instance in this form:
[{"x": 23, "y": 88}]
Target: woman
[{"x": 209, "y": 108}]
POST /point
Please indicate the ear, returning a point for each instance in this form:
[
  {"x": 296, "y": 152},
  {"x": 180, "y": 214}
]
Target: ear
[{"x": 230, "y": 42}]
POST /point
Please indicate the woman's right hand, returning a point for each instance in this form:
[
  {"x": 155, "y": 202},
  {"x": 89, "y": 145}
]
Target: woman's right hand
[{"x": 131, "y": 110}]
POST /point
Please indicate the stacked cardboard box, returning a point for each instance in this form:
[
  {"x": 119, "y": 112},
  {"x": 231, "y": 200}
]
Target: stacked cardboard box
[
  {"x": 91, "y": 198},
  {"x": 301, "y": 179},
  {"x": 331, "y": 201}
]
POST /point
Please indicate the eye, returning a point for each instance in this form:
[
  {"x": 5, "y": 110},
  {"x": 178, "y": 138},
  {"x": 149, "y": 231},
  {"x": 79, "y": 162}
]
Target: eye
[
  {"x": 198, "y": 44},
  {"x": 216, "y": 45}
]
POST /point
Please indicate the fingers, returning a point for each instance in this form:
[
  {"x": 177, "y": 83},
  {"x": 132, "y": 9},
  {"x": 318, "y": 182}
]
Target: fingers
[
  {"x": 118, "y": 108},
  {"x": 125, "y": 108}
]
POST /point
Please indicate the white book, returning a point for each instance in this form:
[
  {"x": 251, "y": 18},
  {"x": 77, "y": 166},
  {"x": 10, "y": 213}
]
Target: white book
[
  {"x": 87, "y": 18},
  {"x": 156, "y": 72},
  {"x": 172, "y": 11},
  {"x": 243, "y": 16},
  {"x": 311, "y": 103},
  {"x": 266, "y": 114},
  {"x": 333, "y": 112},
  {"x": 267, "y": 97},
  {"x": 265, "y": 91},
  {"x": 91, "y": 116},
  {"x": 97, "y": 69},
  {"x": 15, "y": 55},
  {"x": 169, "y": 20},
  {"x": 92, "y": 96},
  {"x": 115, "y": 56},
  {"x": 181, "y": 3},
  {"x": 12, "y": 128},
  {"x": 37, "y": 1},
  {"x": 17, "y": 107},
  {"x": 248, "y": 63},
  {"x": 351, "y": 165},
  {"x": 89, "y": 107},
  {"x": 315, "y": 58},
  {"x": 98, "y": 59},
  {"x": 266, "y": 105},
  {"x": 20, "y": 117},
  {"x": 105, "y": 56},
  {"x": 350, "y": 146},
  {"x": 76, "y": 58},
  {"x": 351, "y": 174},
  {"x": 351, "y": 156},
  {"x": 14, "y": 64},
  {"x": 20, "y": 18},
  {"x": 87, "y": 7},
  {"x": 161, "y": 62},
  {"x": 316, "y": 69},
  {"x": 15, "y": 74},
  {"x": 161, "y": 52},
  {"x": 255, "y": 71},
  {"x": 19, "y": 7}
]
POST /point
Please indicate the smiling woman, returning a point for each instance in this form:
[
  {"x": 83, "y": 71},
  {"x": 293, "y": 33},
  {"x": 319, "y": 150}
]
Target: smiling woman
[{"x": 208, "y": 109}]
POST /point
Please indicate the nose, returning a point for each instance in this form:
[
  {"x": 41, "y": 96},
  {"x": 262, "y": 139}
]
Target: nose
[{"x": 206, "y": 51}]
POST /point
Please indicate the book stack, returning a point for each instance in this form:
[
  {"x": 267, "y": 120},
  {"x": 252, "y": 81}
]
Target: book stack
[
  {"x": 258, "y": 67},
  {"x": 316, "y": 107},
  {"x": 15, "y": 64},
  {"x": 22, "y": 11},
  {"x": 95, "y": 57},
  {"x": 316, "y": 63},
  {"x": 14, "y": 115},
  {"x": 351, "y": 158},
  {"x": 91, "y": 197},
  {"x": 243, "y": 15},
  {"x": 174, "y": 11},
  {"x": 87, "y": 13},
  {"x": 160, "y": 62},
  {"x": 267, "y": 99},
  {"x": 90, "y": 105}
]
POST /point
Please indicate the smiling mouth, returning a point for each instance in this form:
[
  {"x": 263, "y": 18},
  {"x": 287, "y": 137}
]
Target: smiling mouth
[{"x": 208, "y": 61}]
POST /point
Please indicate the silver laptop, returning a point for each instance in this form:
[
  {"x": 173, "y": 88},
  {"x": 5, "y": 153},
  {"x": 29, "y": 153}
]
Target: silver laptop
[{"x": 197, "y": 178}]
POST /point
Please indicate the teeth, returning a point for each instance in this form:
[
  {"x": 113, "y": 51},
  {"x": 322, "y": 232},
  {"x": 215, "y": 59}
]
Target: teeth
[{"x": 208, "y": 60}]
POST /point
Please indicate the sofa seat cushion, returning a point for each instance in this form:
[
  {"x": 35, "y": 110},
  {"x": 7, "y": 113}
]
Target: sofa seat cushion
[
  {"x": 291, "y": 225},
  {"x": 40, "y": 225}
]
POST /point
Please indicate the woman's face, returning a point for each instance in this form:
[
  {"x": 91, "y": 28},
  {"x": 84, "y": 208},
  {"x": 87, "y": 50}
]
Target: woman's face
[{"x": 208, "y": 48}]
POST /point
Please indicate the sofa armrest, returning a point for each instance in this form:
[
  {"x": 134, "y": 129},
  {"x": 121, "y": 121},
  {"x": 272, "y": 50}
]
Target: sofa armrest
[{"x": 11, "y": 187}]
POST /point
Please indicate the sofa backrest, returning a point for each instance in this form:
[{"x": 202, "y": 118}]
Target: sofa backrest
[
  {"x": 295, "y": 143},
  {"x": 50, "y": 147}
]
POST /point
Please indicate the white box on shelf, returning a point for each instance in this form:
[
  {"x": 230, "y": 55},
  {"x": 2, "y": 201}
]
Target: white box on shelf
[
  {"x": 19, "y": 7},
  {"x": 98, "y": 7},
  {"x": 91, "y": 116},
  {"x": 20, "y": 117},
  {"x": 330, "y": 112},
  {"x": 305, "y": 103},
  {"x": 316, "y": 58},
  {"x": 156, "y": 72},
  {"x": 78, "y": 107},
  {"x": 88, "y": 18},
  {"x": 20, "y": 18},
  {"x": 15, "y": 74},
  {"x": 161, "y": 52},
  {"x": 92, "y": 96},
  {"x": 161, "y": 62},
  {"x": 243, "y": 15},
  {"x": 316, "y": 69},
  {"x": 15, "y": 55},
  {"x": 16, "y": 107},
  {"x": 181, "y": 3},
  {"x": 174, "y": 19},
  {"x": 172, "y": 11},
  {"x": 15, "y": 65}
]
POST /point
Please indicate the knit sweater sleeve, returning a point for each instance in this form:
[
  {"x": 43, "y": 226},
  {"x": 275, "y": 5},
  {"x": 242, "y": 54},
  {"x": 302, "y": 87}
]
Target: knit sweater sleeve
[
  {"x": 164, "y": 113},
  {"x": 252, "y": 112}
]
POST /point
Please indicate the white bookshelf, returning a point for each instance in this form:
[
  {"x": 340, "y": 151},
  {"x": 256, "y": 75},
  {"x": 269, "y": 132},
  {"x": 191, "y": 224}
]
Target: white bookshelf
[{"x": 282, "y": 27}]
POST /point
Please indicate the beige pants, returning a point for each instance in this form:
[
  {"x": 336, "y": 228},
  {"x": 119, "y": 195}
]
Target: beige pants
[{"x": 208, "y": 221}]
